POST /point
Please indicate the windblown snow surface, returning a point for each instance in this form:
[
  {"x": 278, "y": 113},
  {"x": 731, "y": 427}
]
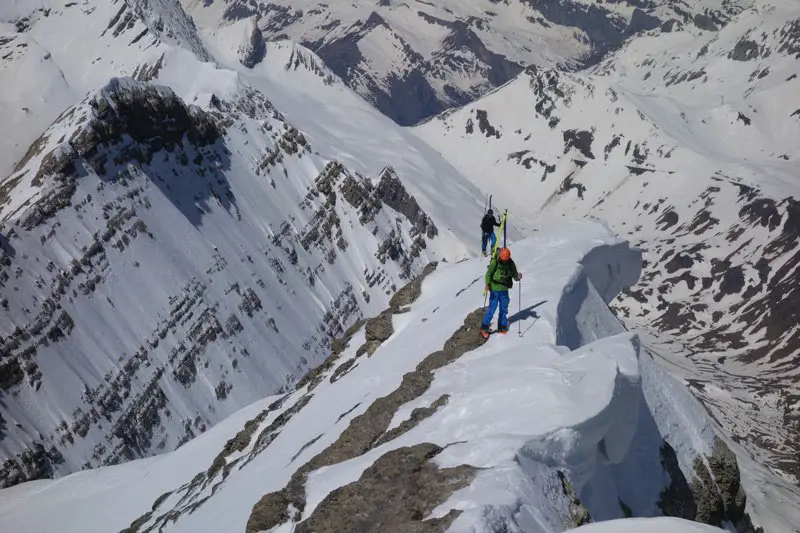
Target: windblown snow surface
[{"x": 564, "y": 420}]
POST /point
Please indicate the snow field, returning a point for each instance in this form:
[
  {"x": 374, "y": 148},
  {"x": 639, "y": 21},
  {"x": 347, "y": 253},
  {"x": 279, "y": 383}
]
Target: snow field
[{"x": 110, "y": 498}]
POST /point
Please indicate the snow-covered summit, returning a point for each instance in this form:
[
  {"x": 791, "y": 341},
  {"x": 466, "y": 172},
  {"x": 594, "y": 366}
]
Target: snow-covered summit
[{"x": 414, "y": 421}]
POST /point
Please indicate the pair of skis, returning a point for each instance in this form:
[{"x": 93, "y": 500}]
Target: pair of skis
[{"x": 502, "y": 230}]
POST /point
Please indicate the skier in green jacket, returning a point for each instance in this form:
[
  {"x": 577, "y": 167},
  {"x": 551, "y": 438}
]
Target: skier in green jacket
[{"x": 499, "y": 278}]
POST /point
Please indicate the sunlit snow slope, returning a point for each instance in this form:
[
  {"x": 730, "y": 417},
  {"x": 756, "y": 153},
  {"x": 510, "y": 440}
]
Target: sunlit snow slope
[
  {"x": 686, "y": 142},
  {"x": 416, "y": 421}
]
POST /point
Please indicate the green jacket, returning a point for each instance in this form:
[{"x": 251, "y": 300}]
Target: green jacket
[{"x": 500, "y": 275}]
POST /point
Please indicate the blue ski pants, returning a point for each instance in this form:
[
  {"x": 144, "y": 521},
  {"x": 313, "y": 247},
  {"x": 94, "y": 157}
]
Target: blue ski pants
[
  {"x": 487, "y": 237},
  {"x": 495, "y": 298}
]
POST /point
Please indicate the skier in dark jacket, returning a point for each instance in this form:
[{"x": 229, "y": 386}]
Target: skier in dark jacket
[
  {"x": 487, "y": 230},
  {"x": 499, "y": 278}
]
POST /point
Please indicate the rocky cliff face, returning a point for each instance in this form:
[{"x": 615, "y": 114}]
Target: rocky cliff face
[{"x": 154, "y": 258}]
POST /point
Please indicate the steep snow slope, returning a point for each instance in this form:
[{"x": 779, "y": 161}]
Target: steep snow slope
[
  {"x": 415, "y": 59},
  {"x": 686, "y": 142},
  {"x": 415, "y": 417}
]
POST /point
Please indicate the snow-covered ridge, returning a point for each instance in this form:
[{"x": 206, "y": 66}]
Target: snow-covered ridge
[
  {"x": 168, "y": 20},
  {"x": 416, "y": 419},
  {"x": 153, "y": 256}
]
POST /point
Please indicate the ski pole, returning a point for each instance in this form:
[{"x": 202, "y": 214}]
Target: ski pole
[{"x": 519, "y": 312}]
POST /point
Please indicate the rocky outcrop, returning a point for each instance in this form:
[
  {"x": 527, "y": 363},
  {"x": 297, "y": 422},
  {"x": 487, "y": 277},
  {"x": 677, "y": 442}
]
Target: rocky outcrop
[
  {"x": 128, "y": 122},
  {"x": 364, "y": 430},
  {"x": 718, "y": 490},
  {"x": 409, "y": 293},
  {"x": 369, "y": 200},
  {"x": 154, "y": 117},
  {"x": 392, "y": 495},
  {"x": 714, "y": 495},
  {"x": 165, "y": 19},
  {"x": 392, "y": 192}
]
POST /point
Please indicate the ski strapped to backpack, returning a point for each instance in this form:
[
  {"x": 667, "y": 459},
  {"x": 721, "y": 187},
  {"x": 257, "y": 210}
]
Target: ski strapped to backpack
[{"x": 502, "y": 230}]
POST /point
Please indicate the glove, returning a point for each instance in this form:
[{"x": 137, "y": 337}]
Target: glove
[
  {"x": 486, "y": 289},
  {"x": 519, "y": 276}
]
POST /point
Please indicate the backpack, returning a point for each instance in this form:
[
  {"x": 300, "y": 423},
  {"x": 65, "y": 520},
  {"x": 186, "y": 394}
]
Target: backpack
[
  {"x": 502, "y": 273},
  {"x": 487, "y": 223}
]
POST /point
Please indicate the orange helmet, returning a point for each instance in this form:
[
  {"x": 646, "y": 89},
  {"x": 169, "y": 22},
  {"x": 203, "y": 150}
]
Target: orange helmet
[{"x": 505, "y": 254}]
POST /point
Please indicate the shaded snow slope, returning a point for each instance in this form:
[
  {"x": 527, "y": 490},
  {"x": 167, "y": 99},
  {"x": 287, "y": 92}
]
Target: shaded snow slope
[
  {"x": 416, "y": 420},
  {"x": 415, "y": 59},
  {"x": 685, "y": 141}
]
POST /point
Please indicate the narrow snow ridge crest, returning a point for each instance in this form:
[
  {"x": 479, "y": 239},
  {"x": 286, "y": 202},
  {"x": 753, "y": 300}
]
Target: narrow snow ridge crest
[{"x": 611, "y": 430}]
